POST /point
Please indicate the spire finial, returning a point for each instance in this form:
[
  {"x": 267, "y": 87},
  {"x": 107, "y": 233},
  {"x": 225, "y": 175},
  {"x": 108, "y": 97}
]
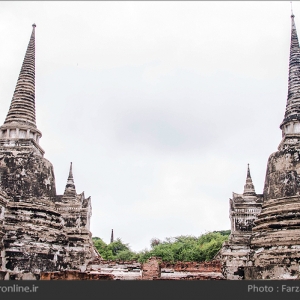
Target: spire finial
[
  {"x": 249, "y": 187},
  {"x": 33, "y": 25},
  {"x": 70, "y": 190},
  {"x": 70, "y": 172},
  {"x": 248, "y": 172},
  {"x": 292, "y": 14}
]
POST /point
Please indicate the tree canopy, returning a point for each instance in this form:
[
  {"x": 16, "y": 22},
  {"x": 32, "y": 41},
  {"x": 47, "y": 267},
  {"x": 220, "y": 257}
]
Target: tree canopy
[
  {"x": 115, "y": 250},
  {"x": 180, "y": 248}
]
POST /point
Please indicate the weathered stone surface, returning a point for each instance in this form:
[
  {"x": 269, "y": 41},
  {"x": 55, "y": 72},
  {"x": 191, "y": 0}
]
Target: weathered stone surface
[
  {"x": 244, "y": 209},
  {"x": 25, "y": 175},
  {"x": 40, "y": 231},
  {"x": 275, "y": 241}
]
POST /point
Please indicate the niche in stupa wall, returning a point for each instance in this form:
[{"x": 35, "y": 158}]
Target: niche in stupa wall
[{"x": 242, "y": 224}]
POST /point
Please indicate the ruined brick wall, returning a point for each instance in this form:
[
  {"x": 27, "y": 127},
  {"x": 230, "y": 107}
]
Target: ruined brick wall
[
  {"x": 151, "y": 269},
  {"x": 194, "y": 277},
  {"x": 74, "y": 275},
  {"x": 117, "y": 262},
  {"x": 210, "y": 266}
]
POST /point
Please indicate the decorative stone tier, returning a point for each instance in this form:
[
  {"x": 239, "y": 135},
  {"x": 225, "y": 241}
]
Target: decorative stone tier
[
  {"x": 76, "y": 212},
  {"x": 276, "y": 235},
  {"x": 15, "y": 131},
  {"x": 38, "y": 237},
  {"x": 24, "y": 145},
  {"x": 33, "y": 240}
]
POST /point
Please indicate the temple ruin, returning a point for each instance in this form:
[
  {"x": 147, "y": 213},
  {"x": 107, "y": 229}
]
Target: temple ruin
[
  {"x": 39, "y": 230},
  {"x": 47, "y": 236},
  {"x": 275, "y": 241},
  {"x": 269, "y": 248}
]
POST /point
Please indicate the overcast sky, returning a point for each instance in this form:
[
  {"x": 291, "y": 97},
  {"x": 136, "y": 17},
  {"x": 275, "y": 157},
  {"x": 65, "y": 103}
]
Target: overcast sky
[{"x": 159, "y": 105}]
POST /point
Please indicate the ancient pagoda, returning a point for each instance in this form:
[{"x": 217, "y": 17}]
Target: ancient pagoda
[
  {"x": 243, "y": 211},
  {"x": 275, "y": 241},
  {"x": 39, "y": 230}
]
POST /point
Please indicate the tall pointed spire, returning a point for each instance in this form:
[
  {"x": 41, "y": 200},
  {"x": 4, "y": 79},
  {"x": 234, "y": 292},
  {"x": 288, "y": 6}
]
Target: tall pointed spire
[
  {"x": 112, "y": 236},
  {"x": 70, "y": 190},
  {"x": 249, "y": 187},
  {"x": 22, "y": 107},
  {"x": 20, "y": 120},
  {"x": 292, "y": 112}
]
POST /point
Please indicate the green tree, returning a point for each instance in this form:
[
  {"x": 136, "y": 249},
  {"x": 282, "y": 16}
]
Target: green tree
[
  {"x": 118, "y": 246},
  {"x": 114, "y": 250},
  {"x": 187, "y": 248},
  {"x": 125, "y": 255},
  {"x": 172, "y": 249}
]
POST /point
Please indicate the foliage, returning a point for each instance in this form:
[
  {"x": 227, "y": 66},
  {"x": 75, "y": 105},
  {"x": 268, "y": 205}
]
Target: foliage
[
  {"x": 180, "y": 248},
  {"x": 187, "y": 248},
  {"x": 224, "y": 232},
  {"x": 114, "y": 250}
]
